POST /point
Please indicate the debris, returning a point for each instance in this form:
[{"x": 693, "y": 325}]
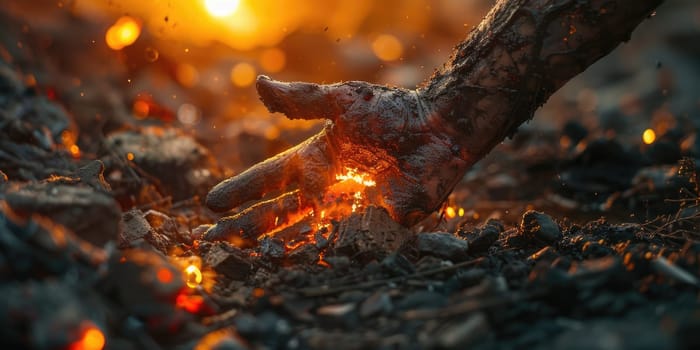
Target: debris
[
  {"x": 90, "y": 214},
  {"x": 540, "y": 226},
  {"x": 443, "y": 245},
  {"x": 228, "y": 261}
]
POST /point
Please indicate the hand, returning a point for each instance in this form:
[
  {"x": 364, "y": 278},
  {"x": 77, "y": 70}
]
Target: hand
[{"x": 388, "y": 133}]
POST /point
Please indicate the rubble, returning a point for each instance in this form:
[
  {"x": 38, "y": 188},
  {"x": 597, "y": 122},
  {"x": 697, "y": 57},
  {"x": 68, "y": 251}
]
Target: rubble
[{"x": 442, "y": 244}]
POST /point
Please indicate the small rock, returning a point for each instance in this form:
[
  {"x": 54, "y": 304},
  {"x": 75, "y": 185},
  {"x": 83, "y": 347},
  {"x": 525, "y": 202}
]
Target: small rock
[
  {"x": 422, "y": 299},
  {"x": 540, "y": 226},
  {"x": 272, "y": 248},
  {"x": 92, "y": 215},
  {"x": 369, "y": 235},
  {"x": 377, "y": 303},
  {"x": 481, "y": 239},
  {"x": 304, "y": 254},
  {"x": 134, "y": 228},
  {"x": 443, "y": 245},
  {"x": 229, "y": 261},
  {"x": 466, "y": 333}
]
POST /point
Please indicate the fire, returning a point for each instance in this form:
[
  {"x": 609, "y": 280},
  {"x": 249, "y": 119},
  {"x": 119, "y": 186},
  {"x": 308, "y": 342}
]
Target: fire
[
  {"x": 190, "y": 303},
  {"x": 649, "y": 136},
  {"x": 353, "y": 175},
  {"x": 92, "y": 338},
  {"x": 193, "y": 276},
  {"x": 123, "y": 33},
  {"x": 221, "y": 8}
]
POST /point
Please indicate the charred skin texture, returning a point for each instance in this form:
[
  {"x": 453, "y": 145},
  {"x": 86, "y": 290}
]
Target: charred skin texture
[{"x": 417, "y": 144}]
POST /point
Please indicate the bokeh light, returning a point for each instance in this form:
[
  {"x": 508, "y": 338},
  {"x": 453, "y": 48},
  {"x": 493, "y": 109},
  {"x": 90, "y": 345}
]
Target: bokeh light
[
  {"x": 221, "y": 8},
  {"x": 123, "y": 33}
]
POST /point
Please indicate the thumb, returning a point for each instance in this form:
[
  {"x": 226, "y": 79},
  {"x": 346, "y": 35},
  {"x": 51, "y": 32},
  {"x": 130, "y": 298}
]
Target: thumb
[{"x": 298, "y": 100}]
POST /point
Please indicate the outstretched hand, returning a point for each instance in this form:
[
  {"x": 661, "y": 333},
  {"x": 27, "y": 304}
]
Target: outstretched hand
[{"x": 389, "y": 133}]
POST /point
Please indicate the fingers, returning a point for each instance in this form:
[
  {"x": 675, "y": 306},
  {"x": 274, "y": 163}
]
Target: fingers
[
  {"x": 302, "y": 100},
  {"x": 259, "y": 218},
  {"x": 273, "y": 174}
]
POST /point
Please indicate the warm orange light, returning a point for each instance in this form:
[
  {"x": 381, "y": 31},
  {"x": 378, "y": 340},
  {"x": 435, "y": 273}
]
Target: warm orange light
[
  {"x": 649, "y": 136},
  {"x": 141, "y": 109},
  {"x": 221, "y": 8},
  {"x": 460, "y": 212},
  {"x": 189, "y": 303},
  {"x": 130, "y": 156},
  {"x": 273, "y": 60},
  {"x": 74, "y": 151},
  {"x": 450, "y": 212},
  {"x": 243, "y": 74},
  {"x": 387, "y": 47},
  {"x": 353, "y": 175},
  {"x": 92, "y": 339},
  {"x": 186, "y": 75},
  {"x": 164, "y": 274},
  {"x": 123, "y": 33},
  {"x": 193, "y": 276}
]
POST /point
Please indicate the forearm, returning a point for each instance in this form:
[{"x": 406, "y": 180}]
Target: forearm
[{"x": 520, "y": 54}]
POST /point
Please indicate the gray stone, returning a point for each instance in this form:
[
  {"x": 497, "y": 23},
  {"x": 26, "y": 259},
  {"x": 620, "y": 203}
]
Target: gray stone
[
  {"x": 443, "y": 245},
  {"x": 539, "y": 225}
]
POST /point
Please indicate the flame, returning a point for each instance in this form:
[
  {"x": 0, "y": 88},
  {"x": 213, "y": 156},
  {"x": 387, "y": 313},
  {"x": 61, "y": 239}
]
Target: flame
[
  {"x": 221, "y": 8},
  {"x": 649, "y": 136},
  {"x": 92, "y": 338},
  {"x": 123, "y": 33},
  {"x": 193, "y": 276},
  {"x": 353, "y": 175},
  {"x": 190, "y": 303}
]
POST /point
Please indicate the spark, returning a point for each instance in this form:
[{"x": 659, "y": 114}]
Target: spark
[
  {"x": 193, "y": 276},
  {"x": 649, "y": 136}
]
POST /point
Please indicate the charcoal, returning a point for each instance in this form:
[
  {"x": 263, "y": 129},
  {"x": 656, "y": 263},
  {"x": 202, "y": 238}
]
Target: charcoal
[
  {"x": 482, "y": 238},
  {"x": 421, "y": 299},
  {"x": 229, "y": 261},
  {"x": 538, "y": 225},
  {"x": 369, "y": 235},
  {"x": 304, "y": 254},
  {"x": 377, "y": 303},
  {"x": 182, "y": 166},
  {"x": 443, "y": 245},
  {"x": 135, "y": 228},
  {"x": 465, "y": 333},
  {"x": 92, "y": 215},
  {"x": 272, "y": 248}
]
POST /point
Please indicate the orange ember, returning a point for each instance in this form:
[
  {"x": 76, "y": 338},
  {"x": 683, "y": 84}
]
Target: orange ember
[{"x": 92, "y": 338}]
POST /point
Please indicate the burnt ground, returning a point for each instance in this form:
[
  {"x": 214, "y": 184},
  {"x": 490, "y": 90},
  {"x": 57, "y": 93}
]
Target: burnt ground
[
  {"x": 103, "y": 240},
  {"x": 573, "y": 236}
]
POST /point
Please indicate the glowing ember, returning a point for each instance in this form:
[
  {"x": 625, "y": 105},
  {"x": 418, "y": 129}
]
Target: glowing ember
[
  {"x": 164, "y": 275},
  {"x": 221, "y": 8},
  {"x": 123, "y": 33},
  {"x": 450, "y": 212},
  {"x": 354, "y": 175},
  {"x": 92, "y": 339},
  {"x": 193, "y": 276},
  {"x": 189, "y": 303},
  {"x": 68, "y": 139},
  {"x": 649, "y": 136}
]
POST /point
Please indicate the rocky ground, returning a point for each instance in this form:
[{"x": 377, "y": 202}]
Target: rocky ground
[{"x": 104, "y": 241}]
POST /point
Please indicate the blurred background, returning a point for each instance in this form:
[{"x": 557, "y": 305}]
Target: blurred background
[{"x": 191, "y": 64}]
